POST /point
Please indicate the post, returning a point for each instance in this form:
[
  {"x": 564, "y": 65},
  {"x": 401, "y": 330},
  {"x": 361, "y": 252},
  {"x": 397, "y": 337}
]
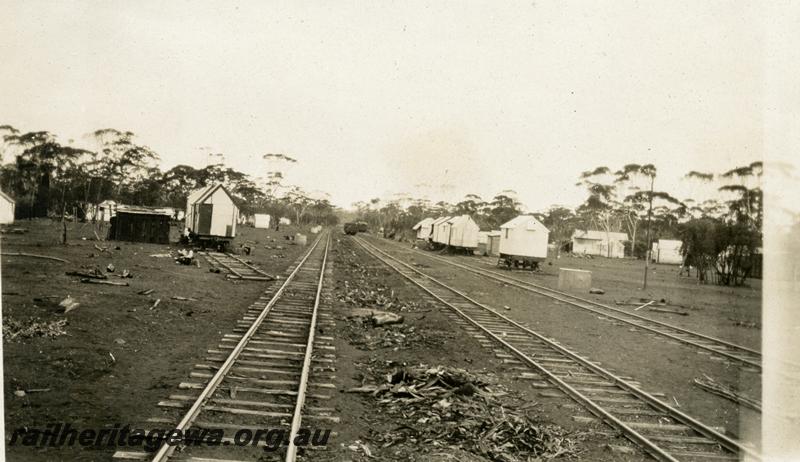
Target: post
[{"x": 647, "y": 238}]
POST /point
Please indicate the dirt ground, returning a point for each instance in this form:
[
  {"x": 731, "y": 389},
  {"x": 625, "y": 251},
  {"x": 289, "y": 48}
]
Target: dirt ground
[
  {"x": 428, "y": 336},
  {"x": 626, "y": 351},
  {"x": 117, "y": 358}
]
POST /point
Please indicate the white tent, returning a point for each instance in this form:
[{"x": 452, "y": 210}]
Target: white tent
[
  {"x": 262, "y": 220},
  {"x": 7, "y": 205},
  {"x": 524, "y": 236},
  {"x": 423, "y": 228},
  {"x": 210, "y": 211},
  {"x": 461, "y": 231}
]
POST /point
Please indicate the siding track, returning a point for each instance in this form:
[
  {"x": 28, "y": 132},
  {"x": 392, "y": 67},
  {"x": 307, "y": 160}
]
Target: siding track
[
  {"x": 271, "y": 372},
  {"x": 748, "y": 358},
  {"x": 662, "y": 431}
]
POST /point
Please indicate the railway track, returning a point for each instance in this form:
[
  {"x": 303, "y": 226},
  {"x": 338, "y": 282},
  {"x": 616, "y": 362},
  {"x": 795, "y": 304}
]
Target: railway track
[
  {"x": 748, "y": 358},
  {"x": 662, "y": 431},
  {"x": 272, "y": 372},
  {"x": 237, "y": 268}
]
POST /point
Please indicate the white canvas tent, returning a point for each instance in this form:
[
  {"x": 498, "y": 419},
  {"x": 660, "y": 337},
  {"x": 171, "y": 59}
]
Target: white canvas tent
[
  {"x": 210, "y": 211},
  {"x": 524, "y": 236},
  {"x": 423, "y": 228},
  {"x": 667, "y": 251},
  {"x": 599, "y": 243},
  {"x": 461, "y": 231},
  {"x": 262, "y": 220},
  {"x": 7, "y": 205}
]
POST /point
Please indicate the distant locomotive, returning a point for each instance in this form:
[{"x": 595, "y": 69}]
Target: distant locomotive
[{"x": 355, "y": 227}]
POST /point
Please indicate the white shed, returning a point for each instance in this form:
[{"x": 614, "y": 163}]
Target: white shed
[
  {"x": 667, "y": 251},
  {"x": 210, "y": 211},
  {"x": 461, "y": 231},
  {"x": 7, "y": 205},
  {"x": 524, "y": 236},
  {"x": 262, "y": 220},
  {"x": 437, "y": 235},
  {"x": 423, "y": 228},
  {"x": 599, "y": 243},
  {"x": 493, "y": 243}
]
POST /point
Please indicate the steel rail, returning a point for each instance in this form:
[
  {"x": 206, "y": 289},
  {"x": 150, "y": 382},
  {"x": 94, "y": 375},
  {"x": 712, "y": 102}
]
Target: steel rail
[
  {"x": 519, "y": 283},
  {"x": 653, "y": 449},
  {"x": 166, "y": 450},
  {"x": 291, "y": 450}
]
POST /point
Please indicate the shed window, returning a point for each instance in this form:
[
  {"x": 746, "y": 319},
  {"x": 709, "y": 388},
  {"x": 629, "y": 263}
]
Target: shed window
[{"x": 506, "y": 233}]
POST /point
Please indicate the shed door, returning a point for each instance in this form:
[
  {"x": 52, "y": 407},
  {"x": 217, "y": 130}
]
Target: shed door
[{"x": 205, "y": 212}]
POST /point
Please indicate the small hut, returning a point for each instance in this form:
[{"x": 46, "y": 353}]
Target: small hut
[
  {"x": 140, "y": 225},
  {"x": 423, "y": 228},
  {"x": 599, "y": 243},
  {"x": 437, "y": 230},
  {"x": 262, "y": 220},
  {"x": 667, "y": 251},
  {"x": 7, "y": 205},
  {"x": 493, "y": 243},
  {"x": 462, "y": 232},
  {"x": 210, "y": 211},
  {"x": 523, "y": 240}
]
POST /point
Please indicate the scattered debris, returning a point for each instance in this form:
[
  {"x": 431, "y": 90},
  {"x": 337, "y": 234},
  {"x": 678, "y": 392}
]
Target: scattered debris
[
  {"x": 185, "y": 257},
  {"x": 101, "y": 249},
  {"x": 664, "y": 310},
  {"x": 19, "y": 393},
  {"x": 184, "y": 299},
  {"x": 161, "y": 255},
  {"x": 35, "y": 328},
  {"x": 125, "y": 274},
  {"x": 597, "y": 291},
  {"x": 94, "y": 274},
  {"x": 155, "y": 304},
  {"x": 120, "y": 341},
  {"x": 449, "y": 407},
  {"x": 100, "y": 281},
  {"x": 747, "y": 324},
  {"x": 110, "y": 268},
  {"x": 23, "y": 254},
  {"x": 712, "y": 386},
  {"x": 214, "y": 269},
  {"x": 68, "y": 304},
  {"x": 384, "y": 318},
  {"x": 146, "y": 292}
]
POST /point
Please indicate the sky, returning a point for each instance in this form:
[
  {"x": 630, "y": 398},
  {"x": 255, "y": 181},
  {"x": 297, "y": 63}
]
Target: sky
[{"x": 374, "y": 99}]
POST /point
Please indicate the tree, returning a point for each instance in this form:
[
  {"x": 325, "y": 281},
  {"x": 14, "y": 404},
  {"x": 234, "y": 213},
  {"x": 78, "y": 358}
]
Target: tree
[
  {"x": 561, "y": 222},
  {"x": 123, "y": 161},
  {"x": 600, "y": 207},
  {"x": 503, "y": 207}
]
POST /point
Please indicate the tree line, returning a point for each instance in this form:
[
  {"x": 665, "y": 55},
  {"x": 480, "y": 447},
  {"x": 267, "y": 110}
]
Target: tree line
[
  {"x": 721, "y": 233},
  {"x": 49, "y": 178}
]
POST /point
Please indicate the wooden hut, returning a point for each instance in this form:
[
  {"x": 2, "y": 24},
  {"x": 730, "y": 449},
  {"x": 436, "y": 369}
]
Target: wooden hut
[
  {"x": 7, "y": 205},
  {"x": 423, "y": 228},
  {"x": 523, "y": 240},
  {"x": 211, "y": 213},
  {"x": 140, "y": 225}
]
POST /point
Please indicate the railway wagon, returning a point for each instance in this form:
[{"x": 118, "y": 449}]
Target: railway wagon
[
  {"x": 523, "y": 243},
  {"x": 211, "y": 217},
  {"x": 461, "y": 232},
  {"x": 350, "y": 229}
]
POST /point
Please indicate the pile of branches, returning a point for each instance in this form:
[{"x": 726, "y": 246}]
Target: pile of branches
[
  {"x": 361, "y": 334},
  {"x": 15, "y": 330},
  {"x": 454, "y": 408}
]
